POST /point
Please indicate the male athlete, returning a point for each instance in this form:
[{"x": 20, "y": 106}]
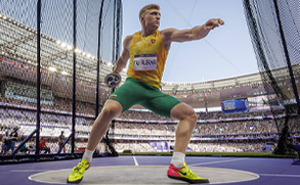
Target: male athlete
[{"x": 147, "y": 51}]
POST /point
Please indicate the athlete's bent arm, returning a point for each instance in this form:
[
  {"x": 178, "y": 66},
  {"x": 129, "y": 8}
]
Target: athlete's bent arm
[
  {"x": 196, "y": 33},
  {"x": 122, "y": 61}
]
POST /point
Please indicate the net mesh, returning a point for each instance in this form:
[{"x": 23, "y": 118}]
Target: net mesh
[
  {"x": 18, "y": 66},
  {"x": 272, "y": 25}
]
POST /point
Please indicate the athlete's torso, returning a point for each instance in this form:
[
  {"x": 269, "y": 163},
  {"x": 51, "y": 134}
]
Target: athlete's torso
[{"x": 147, "y": 58}]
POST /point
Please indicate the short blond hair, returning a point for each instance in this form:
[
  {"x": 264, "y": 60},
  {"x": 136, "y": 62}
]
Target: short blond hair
[{"x": 148, "y": 7}]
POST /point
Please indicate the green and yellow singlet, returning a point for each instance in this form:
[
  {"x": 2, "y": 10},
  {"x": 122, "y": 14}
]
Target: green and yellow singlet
[{"x": 147, "y": 58}]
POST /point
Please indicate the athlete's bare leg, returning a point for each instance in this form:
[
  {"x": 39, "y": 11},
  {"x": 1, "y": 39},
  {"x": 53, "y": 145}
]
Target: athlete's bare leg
[
  {"x": 187, "y": 121},
  {"x": 110, "y": 110}
]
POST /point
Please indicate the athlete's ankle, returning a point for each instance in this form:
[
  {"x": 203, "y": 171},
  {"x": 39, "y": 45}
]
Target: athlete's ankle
[
  {"x": 178, "y": 159},
  {"x": 88, "y": 155}
]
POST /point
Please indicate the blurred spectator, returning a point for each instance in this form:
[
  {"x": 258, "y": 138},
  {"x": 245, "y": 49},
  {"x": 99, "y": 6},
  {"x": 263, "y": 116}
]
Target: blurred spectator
[
  {"x": 13, "y": 136},
  {"x": 44, "y": 147},
  {"x": 6, "y": 143},
  {"x": 61, "y": 140},
  {"x": 32, "y": 146}
]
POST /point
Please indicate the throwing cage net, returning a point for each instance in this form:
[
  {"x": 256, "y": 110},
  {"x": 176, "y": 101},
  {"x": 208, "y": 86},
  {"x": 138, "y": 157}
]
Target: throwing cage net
[
  {"x": 54, "y": 56},
  {"x": 274, "y": 27}
]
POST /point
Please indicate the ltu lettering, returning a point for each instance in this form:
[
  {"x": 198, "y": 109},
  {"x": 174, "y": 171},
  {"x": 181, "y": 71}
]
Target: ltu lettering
[{"x": 136, "y": 62}]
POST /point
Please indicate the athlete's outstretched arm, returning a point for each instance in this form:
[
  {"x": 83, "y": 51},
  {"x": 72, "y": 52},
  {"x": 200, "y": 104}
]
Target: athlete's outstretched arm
[
  {"x": 196, "y": 33},
  {"x": 122, "y": 61}
]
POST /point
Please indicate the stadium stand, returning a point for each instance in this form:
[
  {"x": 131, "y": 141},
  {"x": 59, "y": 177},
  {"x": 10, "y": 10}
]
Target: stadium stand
[{"x": 135, "y": 130}]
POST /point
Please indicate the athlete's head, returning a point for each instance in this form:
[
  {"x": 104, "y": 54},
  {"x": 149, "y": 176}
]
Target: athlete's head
[{"x": 150, "y": 15}]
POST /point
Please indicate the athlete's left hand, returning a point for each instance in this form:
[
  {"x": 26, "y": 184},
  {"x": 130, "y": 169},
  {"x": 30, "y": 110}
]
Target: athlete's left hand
[{"x": 212, "y": 23}]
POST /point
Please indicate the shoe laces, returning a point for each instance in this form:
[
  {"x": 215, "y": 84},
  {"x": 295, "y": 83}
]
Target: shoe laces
[
  {"x": 191, "y": 173},
  {"x": 78, "y": 167}
]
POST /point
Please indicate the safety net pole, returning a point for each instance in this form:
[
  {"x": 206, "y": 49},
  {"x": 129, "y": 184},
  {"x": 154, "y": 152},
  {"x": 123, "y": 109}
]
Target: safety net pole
[
  {"x": 38, "y": 81},
  {"x": 74, "y": 78},
  {"x": 98, "y": 59}
]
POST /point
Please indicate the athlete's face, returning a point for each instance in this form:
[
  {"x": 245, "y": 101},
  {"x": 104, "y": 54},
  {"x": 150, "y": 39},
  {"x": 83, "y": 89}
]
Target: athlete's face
[{"x": 152, "y": 18}]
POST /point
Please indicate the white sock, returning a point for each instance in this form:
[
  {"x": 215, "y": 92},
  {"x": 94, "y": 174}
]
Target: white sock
[
  {"x": 88, "y": 155},
  {"x": 178, "y": 159}
]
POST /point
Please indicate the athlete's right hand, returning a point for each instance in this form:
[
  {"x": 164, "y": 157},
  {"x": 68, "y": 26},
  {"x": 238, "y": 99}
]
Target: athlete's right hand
[{"x": 112, "y": 79}]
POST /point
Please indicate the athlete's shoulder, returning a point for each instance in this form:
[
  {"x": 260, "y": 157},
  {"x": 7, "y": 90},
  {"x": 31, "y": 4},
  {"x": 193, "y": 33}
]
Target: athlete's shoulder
[
  {"x": 128, "y": 38},
  {"x": 127, "y": 41},
  {"x": 166, "y": 33}
]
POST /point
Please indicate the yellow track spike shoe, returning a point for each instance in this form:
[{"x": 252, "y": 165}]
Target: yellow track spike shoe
[
  {"x": 185, "y": 174},
  {"x": 78, "y": 171}
]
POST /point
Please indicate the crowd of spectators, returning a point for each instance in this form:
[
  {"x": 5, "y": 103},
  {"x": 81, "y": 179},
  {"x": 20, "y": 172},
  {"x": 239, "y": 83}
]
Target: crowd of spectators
[
  {"x": 25, "y": 118},
  {"x": 61, "y": 104},
  {"x": 51, "y": 122},
  {"x": 137, "y": 124},
  {"x": 64, "y": 104},
  {"x": 144, "y": 128},
  {"x": 142, "y": 115},
  {"x": 219, "y": 128},
  {"x": 231, "y": 147},
  {"x": 237, "y": 127},
  {"x": 220, "y": 115}
]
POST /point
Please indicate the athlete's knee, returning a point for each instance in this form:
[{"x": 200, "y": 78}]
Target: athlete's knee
[
  {"x": 109, "y": 112},
  {"x": 184, "y": 112},
  {"x": 106, "y": 112},
  {"x": 192, "y": 116},
  {"x": 111, "y": 109}
]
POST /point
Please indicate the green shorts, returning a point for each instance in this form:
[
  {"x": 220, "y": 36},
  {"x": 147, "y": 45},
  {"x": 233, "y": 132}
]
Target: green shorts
[{"x": 136, "y": 92}]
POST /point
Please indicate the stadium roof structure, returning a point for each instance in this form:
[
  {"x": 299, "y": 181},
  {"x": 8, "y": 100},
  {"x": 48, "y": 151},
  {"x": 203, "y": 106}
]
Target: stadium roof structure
[{"x": 18, "y": 55}]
